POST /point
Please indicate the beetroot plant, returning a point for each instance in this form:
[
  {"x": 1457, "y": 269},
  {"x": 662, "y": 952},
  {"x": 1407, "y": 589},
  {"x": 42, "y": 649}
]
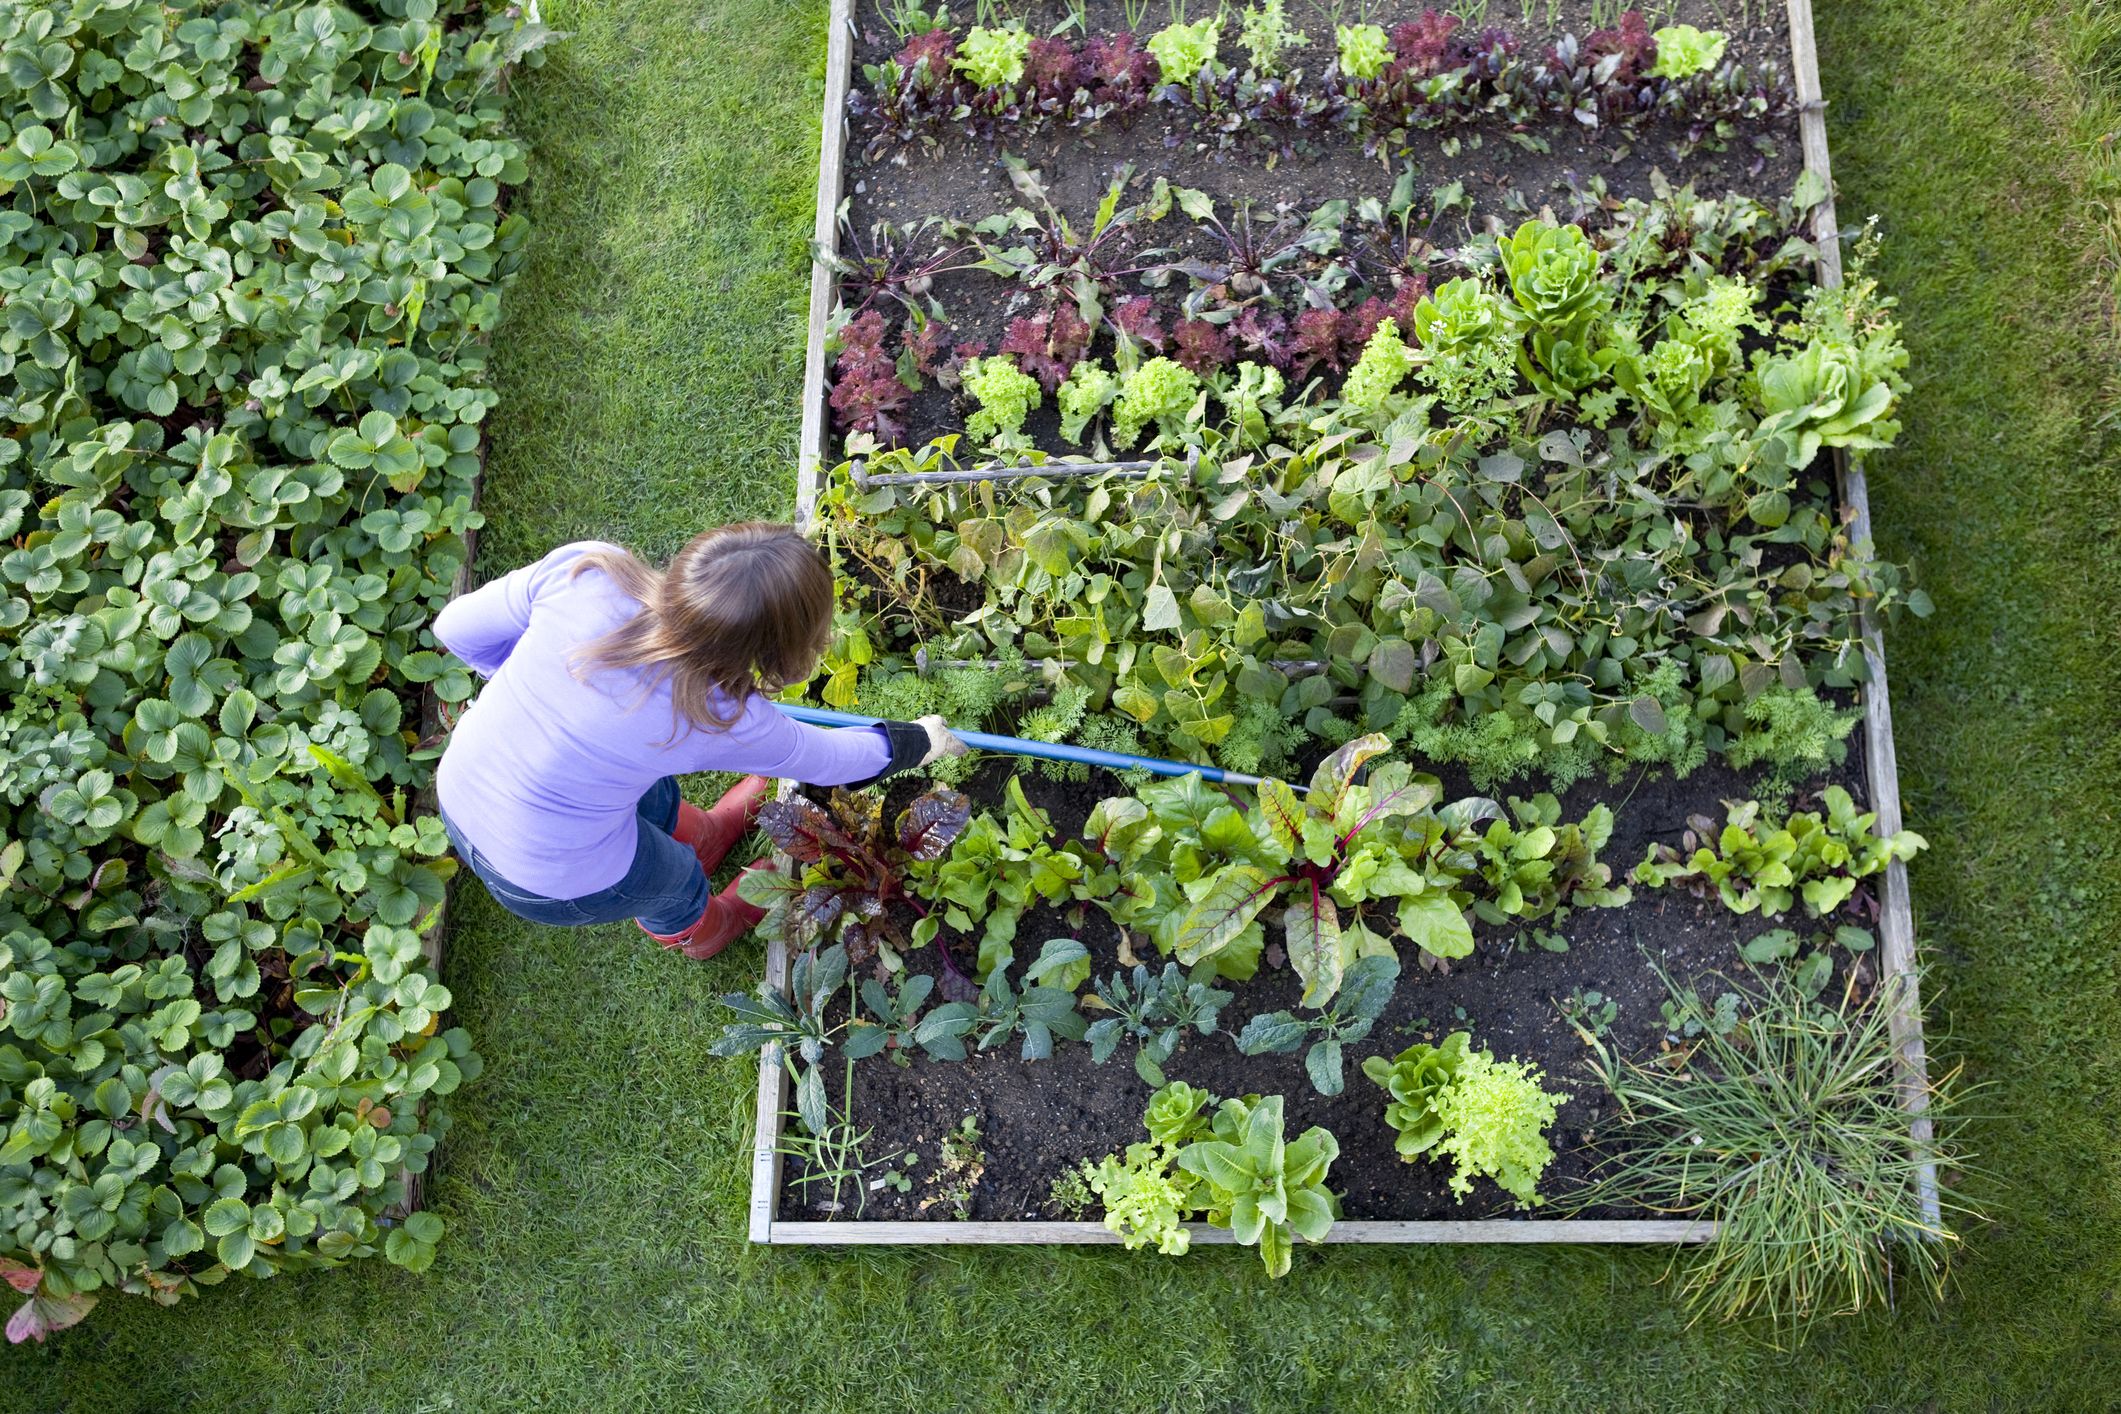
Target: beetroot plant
[{"x": 850, "y": 869}]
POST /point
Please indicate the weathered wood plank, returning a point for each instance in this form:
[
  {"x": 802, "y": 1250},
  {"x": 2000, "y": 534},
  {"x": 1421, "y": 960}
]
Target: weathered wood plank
[
  {"x": 773, "y": 1102},
  {"x": 1095, "y": 1234},
  {"x": 810, "y": 471},
  {"x": 1896, "y": 921},
  {"x": 424, "y": 803},
  {"x": 824, "y": 285}
]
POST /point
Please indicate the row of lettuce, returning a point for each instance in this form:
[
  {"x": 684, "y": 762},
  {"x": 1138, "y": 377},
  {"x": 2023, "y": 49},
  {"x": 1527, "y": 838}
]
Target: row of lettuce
[
  {"x": 1256, "y": 75},
  {"x": 252, "y": 258},
  {"x": 1269, "y": 306}
]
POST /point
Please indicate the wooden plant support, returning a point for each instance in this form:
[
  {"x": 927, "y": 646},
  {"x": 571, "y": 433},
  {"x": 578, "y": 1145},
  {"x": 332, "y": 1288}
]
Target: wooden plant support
[
  {"x": 1125, "y": 471},
  {"x": 437, "y": 930},
  {"x": 1897, "y": 941}
]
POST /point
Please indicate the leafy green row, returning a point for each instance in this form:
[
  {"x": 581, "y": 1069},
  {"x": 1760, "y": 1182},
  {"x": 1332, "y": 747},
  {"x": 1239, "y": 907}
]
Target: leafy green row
[
  {"x": 1193, "y": 867},
  {"x": 1549, "y": 335},
  {"x": 1756, "y": 862},
  {"x": 1145, "y": 305},
  {"x": 251, "y": 256}
]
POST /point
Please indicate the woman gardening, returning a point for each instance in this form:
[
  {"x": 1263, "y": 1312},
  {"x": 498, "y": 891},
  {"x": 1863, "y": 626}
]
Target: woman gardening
[{"x": 609, "y": 679}]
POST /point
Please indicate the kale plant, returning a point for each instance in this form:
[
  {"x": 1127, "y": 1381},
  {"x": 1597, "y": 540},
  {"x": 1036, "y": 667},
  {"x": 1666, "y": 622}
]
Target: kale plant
[
  {"x": 1365, "y": 991},
  {"x": 1153, "y": 1010},
  {"x": 794, "y": 1020}
]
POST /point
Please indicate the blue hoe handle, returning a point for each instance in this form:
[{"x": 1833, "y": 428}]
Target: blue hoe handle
[{"x": 1044, "y": 750}]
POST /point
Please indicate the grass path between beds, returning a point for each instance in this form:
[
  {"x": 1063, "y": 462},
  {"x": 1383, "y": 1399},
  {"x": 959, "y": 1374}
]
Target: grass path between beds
[{"x": 594, "y": 1183}]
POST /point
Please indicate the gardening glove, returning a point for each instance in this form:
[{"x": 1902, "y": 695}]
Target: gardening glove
[
  {"x": 916, "y": 744},
  {"x": 941, "y": 740}
]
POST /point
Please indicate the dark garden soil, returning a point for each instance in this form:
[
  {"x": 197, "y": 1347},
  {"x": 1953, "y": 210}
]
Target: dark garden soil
[
  {"x": 964, "y": 179},
  {"x": 1037, "y": 1121}
]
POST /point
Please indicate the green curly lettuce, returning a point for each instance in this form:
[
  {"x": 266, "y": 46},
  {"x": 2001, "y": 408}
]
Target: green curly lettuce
[
  {"x": 991, "y": 57},
  {"x": 1684, "y": 51},
  {"x": 1718, "y": 317},
  {"x": 1159, "y": 391},
  {"x": 1386, "y": 360},
  {"x": 1005, "y": 394},
  {"x": 1364, "y": 51},
  {"x": 1087, "y": 391},
  {"x": 1145, "y": 1198},
  {"x": 1183, "y": 50},
  {"x": 1252, "y": 400},
  {"x": 1495, "y": 1116}
]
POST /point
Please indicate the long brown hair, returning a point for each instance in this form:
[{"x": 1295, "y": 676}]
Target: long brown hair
[{"x": 741, "y": 609}]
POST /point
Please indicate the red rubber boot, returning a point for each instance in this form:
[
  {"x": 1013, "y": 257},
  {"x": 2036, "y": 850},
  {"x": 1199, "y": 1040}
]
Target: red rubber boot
[
  {"x": 711, "y": 834},
  {"x": 725, "y": 919}
]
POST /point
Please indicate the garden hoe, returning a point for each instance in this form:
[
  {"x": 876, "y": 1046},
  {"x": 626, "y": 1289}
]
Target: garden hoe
[{"x": 1044, "y": 750}]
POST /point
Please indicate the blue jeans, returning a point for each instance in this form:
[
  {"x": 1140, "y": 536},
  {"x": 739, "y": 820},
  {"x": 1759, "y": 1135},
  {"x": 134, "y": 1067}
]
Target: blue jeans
[{"x": 664, "y": 888}]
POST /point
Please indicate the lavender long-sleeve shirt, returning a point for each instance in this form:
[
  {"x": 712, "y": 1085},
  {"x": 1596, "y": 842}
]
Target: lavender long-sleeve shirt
[{"x": 543, "y": 772}]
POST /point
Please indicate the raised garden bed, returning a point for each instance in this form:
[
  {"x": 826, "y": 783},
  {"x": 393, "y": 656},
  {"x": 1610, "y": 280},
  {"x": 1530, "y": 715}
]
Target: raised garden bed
[
  {"x": 1517, "y": 993},
  {"x": 226, "y": 1040}
]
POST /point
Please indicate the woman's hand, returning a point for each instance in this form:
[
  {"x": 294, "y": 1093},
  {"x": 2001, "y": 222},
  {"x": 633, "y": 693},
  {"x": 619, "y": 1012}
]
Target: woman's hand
[
  {"x": 916, "y": 744},
  {"x": 941, "y": 741}
]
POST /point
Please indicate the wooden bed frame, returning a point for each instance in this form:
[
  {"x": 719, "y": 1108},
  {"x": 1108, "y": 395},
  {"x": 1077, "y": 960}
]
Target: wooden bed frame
[{"x": 1897, "y": 930}]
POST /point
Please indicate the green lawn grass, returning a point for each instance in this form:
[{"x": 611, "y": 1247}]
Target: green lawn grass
[{"x": 595, "y": 1180}]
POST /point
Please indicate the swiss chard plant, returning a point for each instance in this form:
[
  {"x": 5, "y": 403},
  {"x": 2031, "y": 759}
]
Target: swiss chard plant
[
  {"x": 1375, "y": 848},
  {"x": 999, "y": 868}
]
